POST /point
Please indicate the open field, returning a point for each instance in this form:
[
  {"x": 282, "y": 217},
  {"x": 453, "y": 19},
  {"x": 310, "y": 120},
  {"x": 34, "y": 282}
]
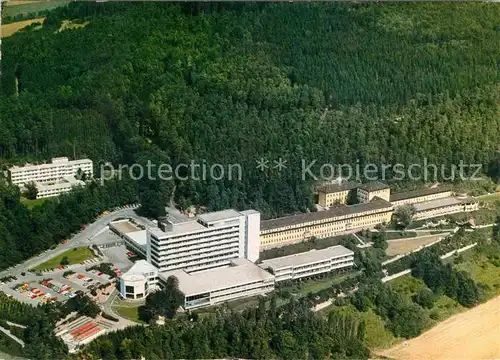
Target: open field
[
  {"x": 489, "y": 197},
  {"x": 126, "y": 309},
  {"x": 32, "y": 203},
  {"x": 10, "y": 29},
  {"x": 75, "y": 256},
  {"x": 25, "y": 7},
  {"x": 483, "y": 270},
  {"x": 470, "y": 335},
  {"x": 403, "y": 246}
]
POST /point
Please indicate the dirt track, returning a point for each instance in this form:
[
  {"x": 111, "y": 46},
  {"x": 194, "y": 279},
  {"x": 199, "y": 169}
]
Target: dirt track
[{"x": 472, "y": 335}]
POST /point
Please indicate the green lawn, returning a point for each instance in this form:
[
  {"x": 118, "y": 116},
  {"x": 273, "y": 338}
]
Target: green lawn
[
  {"x": 491, "y": 197},
  {"x": 18, "y": 8},
  {"x": 75, "y": 256},
  {"x": 32, "y": 203},
  {"x": 126, "y": 309},
  {"x": 484, "y": 267},
  {"x": 128, "y": 312}
]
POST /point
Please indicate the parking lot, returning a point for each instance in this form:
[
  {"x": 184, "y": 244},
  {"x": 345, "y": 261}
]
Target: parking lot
[{"x": 61, "y": 286}]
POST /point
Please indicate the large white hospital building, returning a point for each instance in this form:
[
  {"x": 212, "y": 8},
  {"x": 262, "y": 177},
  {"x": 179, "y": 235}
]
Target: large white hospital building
[{"x": 211, "y": 240}]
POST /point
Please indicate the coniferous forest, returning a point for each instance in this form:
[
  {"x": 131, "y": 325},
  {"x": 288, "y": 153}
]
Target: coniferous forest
[{"x": 230, "y": 84}]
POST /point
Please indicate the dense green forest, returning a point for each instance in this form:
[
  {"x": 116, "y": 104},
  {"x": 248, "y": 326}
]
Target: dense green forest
[{"x": 231, "y": 83}]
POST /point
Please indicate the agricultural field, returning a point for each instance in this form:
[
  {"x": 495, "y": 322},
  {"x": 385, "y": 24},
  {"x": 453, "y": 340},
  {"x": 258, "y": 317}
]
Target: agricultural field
[
  {"x": 403, "y": 246},
  {"x": 473, "y": 334},
  {"x": 26, "y": 7},
  {"x": 75, "y": 256},
  {"x": 12, "y": 28}
]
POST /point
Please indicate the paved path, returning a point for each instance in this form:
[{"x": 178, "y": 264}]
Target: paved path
[
  {"x": 83, "y": 238},
  {"x": 12, "y": 336}
]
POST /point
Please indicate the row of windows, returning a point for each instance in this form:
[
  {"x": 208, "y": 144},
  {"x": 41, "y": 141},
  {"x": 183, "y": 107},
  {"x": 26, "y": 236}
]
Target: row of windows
[
  {"x": 324, "y": 230},
  {"x": 338, "y": 219}
]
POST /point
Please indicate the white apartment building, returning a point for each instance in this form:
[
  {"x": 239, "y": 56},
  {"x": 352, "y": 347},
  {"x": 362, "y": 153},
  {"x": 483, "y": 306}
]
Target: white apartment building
[
  {"x": 309, "y": 263},
  {"x": 211, "y": 240},
  {"x": 56, "y": 188},
  {"x": 59, "y": 167},
  {"x": 241, "y": 278},
  {"x": 140, "y": 280}
]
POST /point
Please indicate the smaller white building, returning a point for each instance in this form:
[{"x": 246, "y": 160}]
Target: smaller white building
[
  {"x": 53, "y": 171},
  {"x": 204, "y": 288},
  {"x": 309, "y": 263},
  {"x": 139, "y": 281}
]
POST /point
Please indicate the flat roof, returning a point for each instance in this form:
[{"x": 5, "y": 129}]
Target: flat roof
[
  {"x": 141, "y": 267},
  {"x": 374, "y": 186},
  {"x": 219, "y": 215},
  {"x": 419, "y": 192},
  {"x": 56, "y": 163},
  {"x": 344, "y": 186},
  {"x": 438, "y": 203},
  {"x": 308, "y": 257},
  {"x": 139, "y": 237},
  {"x": 125, "y": 226},
  {"x": 334, "y": 211},
  {"x": 241, "y": 271}
]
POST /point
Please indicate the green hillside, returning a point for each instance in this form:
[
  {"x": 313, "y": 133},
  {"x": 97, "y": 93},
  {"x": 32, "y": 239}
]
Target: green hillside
[{"x": 229, "y": 84}]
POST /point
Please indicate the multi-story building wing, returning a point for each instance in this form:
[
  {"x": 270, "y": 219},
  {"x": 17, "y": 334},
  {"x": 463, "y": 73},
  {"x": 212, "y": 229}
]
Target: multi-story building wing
[
  {"x": 59, "y": 168},
  {"x": 309, "y": 263},
  {"x": 241, "y": 278},
  {"x": 420, "y": 195},
  {"x": 332, "y": 194},
  {"x": 338, "y": 220},
  {"x": 210, "y": 241}
]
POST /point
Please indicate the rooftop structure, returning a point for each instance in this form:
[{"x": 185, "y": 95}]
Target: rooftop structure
[
  {"x": 240, "y": 279},
  {"x": 374, "y": 186},
  {"x": 344, "y": 186}
]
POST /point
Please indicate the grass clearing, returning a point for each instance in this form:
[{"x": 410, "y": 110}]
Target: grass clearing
[
  {"x": 483, "y": 269},
  {"x": 18, "y": 7},
  {"x": 75, "y": 256},
  {"x": 30, "y": 204},
  {"x": 490, "y": 197},
  {"x": 127, "y": 309},
  {"x": 399, "y": 247},
  {"x": 11, "y": 29}
]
